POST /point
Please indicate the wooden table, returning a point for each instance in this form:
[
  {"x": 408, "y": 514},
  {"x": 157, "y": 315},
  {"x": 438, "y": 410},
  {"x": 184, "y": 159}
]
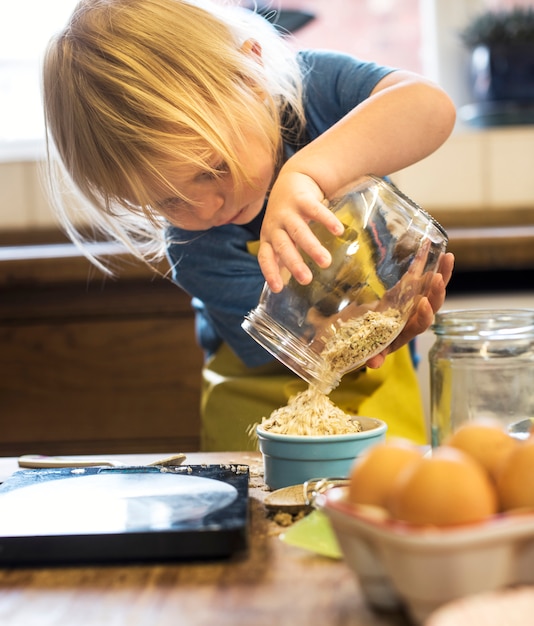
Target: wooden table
[{"x": 274, "y": 584}]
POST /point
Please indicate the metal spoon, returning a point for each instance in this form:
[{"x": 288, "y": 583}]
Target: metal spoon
[
  {"x": 287, "y": 500},
  {"x": 38, "y": 461},
  {"x": 298, "y": 498}
]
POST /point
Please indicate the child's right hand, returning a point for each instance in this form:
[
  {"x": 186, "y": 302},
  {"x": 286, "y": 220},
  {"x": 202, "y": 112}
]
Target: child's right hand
[{"x": 294, "y": 201}]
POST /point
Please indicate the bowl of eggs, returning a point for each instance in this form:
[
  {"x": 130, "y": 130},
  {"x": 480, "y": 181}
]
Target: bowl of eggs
[{"x": 421, "y": 530}]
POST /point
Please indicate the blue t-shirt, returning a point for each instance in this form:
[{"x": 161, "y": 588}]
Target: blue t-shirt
[{"x": 214, "y": 266}]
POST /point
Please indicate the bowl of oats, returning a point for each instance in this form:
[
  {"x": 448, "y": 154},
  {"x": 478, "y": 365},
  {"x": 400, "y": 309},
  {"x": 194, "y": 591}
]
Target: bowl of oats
[
  {"x": 382, "y": 265},
  {"x": 311, "y": 438}
]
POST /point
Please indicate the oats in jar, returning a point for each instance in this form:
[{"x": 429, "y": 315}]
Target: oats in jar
[{"x": 356, "y": 339}]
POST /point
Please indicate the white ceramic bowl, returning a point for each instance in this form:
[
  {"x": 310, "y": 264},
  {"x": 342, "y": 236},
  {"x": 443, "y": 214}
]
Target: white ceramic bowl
[
  {"x": 423, "y": 568},
  {"x": 293, "y": 459},
  {"x": 505, "y": 607}
]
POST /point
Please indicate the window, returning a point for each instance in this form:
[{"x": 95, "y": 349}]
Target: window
[
  {"x": 25, "y": 27},
  {"x": 385, "y": 31},
  {"x": 372, "y": 29}
]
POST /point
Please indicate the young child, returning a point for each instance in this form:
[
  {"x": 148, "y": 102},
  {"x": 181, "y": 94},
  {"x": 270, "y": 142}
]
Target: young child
[{"x": 193, "y": 130}]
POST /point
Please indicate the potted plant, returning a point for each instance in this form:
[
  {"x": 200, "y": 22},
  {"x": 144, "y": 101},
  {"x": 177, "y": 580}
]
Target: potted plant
[{"x": 502, "y": 55}]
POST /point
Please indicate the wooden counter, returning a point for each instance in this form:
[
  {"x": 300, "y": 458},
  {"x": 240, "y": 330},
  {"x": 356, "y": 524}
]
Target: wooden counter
[
  {"x": 272, "y": 585},
  {"x": 485, "y": 241},
  {"x": 90, "y": 363}
]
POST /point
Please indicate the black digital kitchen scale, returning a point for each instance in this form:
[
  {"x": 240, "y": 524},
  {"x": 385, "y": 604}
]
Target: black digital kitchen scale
[{"x": 97, "y": 514}]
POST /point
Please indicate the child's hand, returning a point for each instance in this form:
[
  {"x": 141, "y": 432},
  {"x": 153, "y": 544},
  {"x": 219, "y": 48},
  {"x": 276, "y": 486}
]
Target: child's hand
[
  {"x": 294, "y": 201},
  {"x": 423, "y": 315}
]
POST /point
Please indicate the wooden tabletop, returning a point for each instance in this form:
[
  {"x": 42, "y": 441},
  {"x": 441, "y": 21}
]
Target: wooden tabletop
[{"x": 273, "y": 584}]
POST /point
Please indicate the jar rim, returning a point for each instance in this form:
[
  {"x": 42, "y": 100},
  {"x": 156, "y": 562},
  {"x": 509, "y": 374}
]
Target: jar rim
[
  {"x": 494, "y": 323},
  {"x": 430, "y": 217}
]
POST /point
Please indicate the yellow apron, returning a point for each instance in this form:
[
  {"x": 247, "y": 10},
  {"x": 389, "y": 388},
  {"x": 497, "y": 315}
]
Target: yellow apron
[{"x": 234, "y": 397}]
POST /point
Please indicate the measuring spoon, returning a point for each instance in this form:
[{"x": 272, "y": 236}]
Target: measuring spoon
[{"x": 38, "y": 461}]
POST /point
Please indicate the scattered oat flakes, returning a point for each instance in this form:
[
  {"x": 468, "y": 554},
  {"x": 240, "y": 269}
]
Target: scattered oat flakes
[{"x": 310, "y": 412}]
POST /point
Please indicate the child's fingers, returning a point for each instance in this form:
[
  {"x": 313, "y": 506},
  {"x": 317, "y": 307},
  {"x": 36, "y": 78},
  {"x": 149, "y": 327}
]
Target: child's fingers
[
  {"x": 446, "y": 266},
  {"x": 377, "y": 361},
  {"x": 306, "y": 241},
  {"x": 269, "y": 267},
  {"x": 417, "y": 324},
  {"x": 285, "y": 248},
  {"x": 295, "y": 236},
  {"x": 420, "y": 320},
  {"x": 284, "y": 254},
  {"x": 437, "y": 290},
  {"x": 328, "y": 219},
  {"x": 287, "y": 240}
]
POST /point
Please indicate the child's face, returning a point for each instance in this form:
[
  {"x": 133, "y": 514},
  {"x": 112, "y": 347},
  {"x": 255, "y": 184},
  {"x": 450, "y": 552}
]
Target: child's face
[{"x": 218, "y": 200}]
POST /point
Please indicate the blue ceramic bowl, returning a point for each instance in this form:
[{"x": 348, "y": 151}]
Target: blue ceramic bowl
[{"x": 294, "y": 459}]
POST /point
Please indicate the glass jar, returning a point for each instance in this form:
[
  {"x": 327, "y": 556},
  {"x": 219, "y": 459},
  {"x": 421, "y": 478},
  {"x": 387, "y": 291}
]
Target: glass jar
[
  {"x": 481, "y": 366},
  {"x": 381, "y": 266}
]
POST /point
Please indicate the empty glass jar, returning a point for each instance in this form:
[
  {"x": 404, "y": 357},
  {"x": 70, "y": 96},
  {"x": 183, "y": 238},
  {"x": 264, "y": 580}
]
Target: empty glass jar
[
  {"x": 481, "y": 366},
  {"x": 381, "y": 266}
]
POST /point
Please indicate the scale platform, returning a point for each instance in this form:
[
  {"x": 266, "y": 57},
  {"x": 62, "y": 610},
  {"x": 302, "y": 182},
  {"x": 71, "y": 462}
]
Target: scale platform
[{"x": 103, "y": 514}]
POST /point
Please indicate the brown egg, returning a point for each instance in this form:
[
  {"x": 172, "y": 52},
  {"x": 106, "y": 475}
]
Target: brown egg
[
  {"x": 486, "y": 441},
  {"x": 515, "y": 481},
  {"x": 446, "y": 488},
  {"x": 374, "y": 472}
]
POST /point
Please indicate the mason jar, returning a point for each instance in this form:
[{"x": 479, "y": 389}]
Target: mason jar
[
  {"x": 382, "y": 265},
  {"x": 481, "y": 366}
]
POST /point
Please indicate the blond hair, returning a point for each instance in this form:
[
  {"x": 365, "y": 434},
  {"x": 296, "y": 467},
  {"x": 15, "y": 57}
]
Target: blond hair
[{"x": 131, "y": 87}]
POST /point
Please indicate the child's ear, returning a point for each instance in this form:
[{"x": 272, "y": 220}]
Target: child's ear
[{"x": 252, "y": 47}]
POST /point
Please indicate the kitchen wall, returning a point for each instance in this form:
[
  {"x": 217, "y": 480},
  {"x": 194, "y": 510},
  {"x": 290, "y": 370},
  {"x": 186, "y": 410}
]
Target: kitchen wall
[
  {"x": 23, "y": 201},
  {"x": 476, "y": 169},
  {"x": 479, "y": 170}
]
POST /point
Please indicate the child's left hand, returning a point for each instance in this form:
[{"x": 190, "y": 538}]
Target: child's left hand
[
  {"x": 294, "y": 201},
  {"x": 423, "y": 315}
]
